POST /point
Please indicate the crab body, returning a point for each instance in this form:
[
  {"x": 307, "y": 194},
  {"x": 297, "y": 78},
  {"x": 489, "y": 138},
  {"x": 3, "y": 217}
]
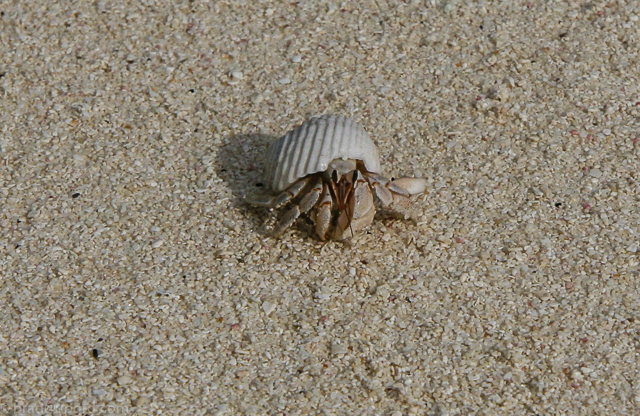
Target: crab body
[{"x": 330, "y": 166}]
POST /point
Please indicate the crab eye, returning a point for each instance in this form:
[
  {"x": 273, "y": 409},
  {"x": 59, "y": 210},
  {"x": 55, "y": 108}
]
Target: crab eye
[
  {"x": 355, "y": 176},
  {"x": 334, "y": 176}
]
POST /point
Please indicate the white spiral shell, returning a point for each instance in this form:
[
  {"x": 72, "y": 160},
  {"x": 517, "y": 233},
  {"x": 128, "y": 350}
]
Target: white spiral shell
[{"x": 313, "y": 145}]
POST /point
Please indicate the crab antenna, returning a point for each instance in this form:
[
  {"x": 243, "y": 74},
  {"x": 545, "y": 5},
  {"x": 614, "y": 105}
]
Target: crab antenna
[{"x": 350, "y": 228}]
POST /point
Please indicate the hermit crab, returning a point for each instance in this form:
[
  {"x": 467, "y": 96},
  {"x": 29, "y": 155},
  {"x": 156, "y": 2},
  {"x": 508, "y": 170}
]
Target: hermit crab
[{"x": 328, "y": 166}]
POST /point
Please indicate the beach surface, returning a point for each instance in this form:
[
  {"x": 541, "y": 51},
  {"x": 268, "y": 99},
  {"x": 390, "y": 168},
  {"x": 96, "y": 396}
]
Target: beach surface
[{"x": 134, "y": 280}]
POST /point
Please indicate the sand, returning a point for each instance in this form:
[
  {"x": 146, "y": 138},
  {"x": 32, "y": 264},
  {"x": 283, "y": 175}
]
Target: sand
[{"x": 136, "y": 281}]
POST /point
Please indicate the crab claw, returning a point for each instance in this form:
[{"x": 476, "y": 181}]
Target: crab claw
[{"x": 412, "y": 186}]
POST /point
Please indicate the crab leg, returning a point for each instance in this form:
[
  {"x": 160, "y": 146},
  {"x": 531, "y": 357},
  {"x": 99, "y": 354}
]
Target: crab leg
[
  {"x": 379, "y": 184},
  {"x": 307, "y": 202},
  {"x": 269, "y": 201},
  {"x": 285, "y": 222},
  {"x": 323, "y": 213},
  {"x": 312, "y": 197}
]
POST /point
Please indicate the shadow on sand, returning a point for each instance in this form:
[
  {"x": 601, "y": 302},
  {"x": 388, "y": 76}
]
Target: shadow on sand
[{"x": 240, "y": 163}]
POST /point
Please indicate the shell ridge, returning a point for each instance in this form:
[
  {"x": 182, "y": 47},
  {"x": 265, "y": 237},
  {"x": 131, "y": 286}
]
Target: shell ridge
[
  {"x": 337, "y": 138},
  {"x": 284, "y": 148},
  {"x": 283, "y": 161},
  {"x": 290, "y": 172},
  {"x": 325, "y": 151},
  {"x": 301, "y": 152},
  {"x": 276, "y": 161},
  {"x": 370, "y": 155},
  {"x": 355, "y": 146},
  {"x": 312, "y": 155},
  {"x": 365, "y": 149},
  {"x": 271, "y": 166},
  {"x": 350, "y": 140}
]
